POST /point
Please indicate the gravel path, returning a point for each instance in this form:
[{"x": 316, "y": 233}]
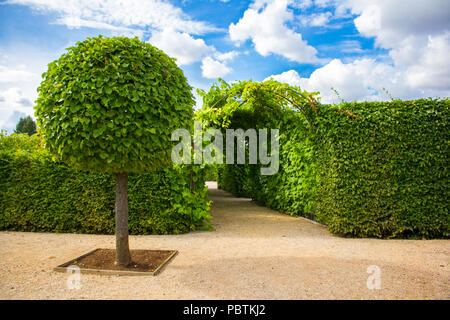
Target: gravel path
[{"x": 255, "y": 253}]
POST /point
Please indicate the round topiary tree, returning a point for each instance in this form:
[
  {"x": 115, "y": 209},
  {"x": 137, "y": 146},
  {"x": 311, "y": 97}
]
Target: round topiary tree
[{"x": 110, "y": 105}]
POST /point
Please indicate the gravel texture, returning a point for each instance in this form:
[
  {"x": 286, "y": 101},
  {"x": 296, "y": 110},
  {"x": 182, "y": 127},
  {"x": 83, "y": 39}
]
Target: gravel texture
[{"x": 255, "y": 253}]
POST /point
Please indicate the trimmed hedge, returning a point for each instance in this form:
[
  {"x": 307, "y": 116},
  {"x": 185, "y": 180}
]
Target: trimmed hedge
[
  {"x": 37, "y": 194},
  {"x": 372, "y": 169},
  {"x": 383, "y": 169}
]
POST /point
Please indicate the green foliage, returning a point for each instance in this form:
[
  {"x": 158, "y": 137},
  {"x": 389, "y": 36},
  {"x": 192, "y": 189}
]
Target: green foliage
[
  {"x": 210, "y": 173},
  {"x": 249, "y": 104},
  {"x": 26, "y": 125},
  {"x": 110, "y": 105},
  {"x": 382, "y": 168},
  {"x": 372, "y": 169},
  {"x": 37, "y": 194},
  {"x": 272, "y": 105}
]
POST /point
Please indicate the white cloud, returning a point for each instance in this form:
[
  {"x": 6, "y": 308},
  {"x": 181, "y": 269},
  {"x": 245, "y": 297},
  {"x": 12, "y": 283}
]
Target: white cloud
[
  {"x": 76, "y": 22},
  {"x": 214, "y": 69},
  {"x": 18, "y": 74},
  {"x": 15, "y": 97},
  {"x": 290, "y": 77},
  {"x": 180, "y": 45},
  {"x": 361, "y": 80},
  {"x": 107, "y": 14},
  {"x": 403, "y": 28},
  {"x": 346, "y": 46},
  {"x": 13, "y": 105},
  {"x": 417, "y": 37},
  {"x": 432, "y": 69},
  {"x": 302, "y": 4},
  {"x": 10, "y": 123},
  {"x": 186, "y": 48},
  {"x": 369, "y": 20},
  {"x": 230, "y": 55},
  {"x": 316, "y": 20},
  {"x": 390, "y": 21},
  {"x": 305, "y": 4},
  {"x": 264, "y": 24}
]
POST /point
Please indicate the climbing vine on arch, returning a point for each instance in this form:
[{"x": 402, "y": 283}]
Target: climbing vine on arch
[{"x": 266, "y": 105}]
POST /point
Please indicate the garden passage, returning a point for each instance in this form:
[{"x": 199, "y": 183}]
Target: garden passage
[{"x": 370, "y": 169}]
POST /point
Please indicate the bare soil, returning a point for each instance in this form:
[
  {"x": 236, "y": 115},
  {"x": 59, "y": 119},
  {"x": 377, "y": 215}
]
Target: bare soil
[
  {"x": 141, "y": 260},
  {"x": 255, "y": 253}
]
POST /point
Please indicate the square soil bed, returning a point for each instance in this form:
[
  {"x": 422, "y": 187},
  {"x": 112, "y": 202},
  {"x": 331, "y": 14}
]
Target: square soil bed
[{"x": 101, "y": 261}]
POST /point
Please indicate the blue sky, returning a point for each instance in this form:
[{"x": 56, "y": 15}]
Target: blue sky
[{"x": 357, "y": 47}]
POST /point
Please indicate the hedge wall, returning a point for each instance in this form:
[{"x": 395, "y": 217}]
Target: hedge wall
[
  {"x": 372, "y": 169},
  {"x": 37, "y": 194},
  {"x": 383, "y": 169}
]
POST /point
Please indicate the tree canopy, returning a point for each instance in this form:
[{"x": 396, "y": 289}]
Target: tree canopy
[
  {"x": 110, "y": 104},
  {"x": 26, "y": 125}
]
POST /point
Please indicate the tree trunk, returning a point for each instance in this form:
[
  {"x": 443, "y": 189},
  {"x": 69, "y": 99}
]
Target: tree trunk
[{"x": 122, "y": 249}]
